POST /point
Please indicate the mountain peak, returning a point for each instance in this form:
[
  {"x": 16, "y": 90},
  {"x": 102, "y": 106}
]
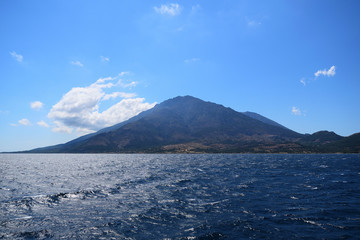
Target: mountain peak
[{"x": 181, "y": 100}]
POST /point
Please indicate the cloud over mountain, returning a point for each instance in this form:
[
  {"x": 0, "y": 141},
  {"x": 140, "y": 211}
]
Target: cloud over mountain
[{"x": 79, "y": 108}]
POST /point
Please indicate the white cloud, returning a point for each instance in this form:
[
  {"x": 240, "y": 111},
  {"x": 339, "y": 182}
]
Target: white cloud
[
  {"x": 79, "y": 108},
  {"x": 16, "y": 56},
  {"x": 191, "y": 60},
  {"x": 303, "y": 81},
  {"x": 42, "y": 123},
  {"x": 104, "y": 59},
  {"x": 123, "y": 74},
  {"x": 171, "y": 9},
  {"x": 83, "y": 131},
  {"x": 122, "y": 82},
  {"x": 118, "y": 94},
  {"x": 127, "y": 95},
  {"x": 61, "y": 128},
  {"x": 77, "y": 63},
  {"x": 102, "y": 80},
  {"x": 124, "y": 110},
  {"x": 327, "y": 73},
  {"x": 24, "y": 122},
  {"x": 36, "y": 105},
  {"x": 126, "y": 84},
  {"x": 111, "y": 95},
  {"x": 296, "y": 111},
  {"x": 253, "y": 23}
]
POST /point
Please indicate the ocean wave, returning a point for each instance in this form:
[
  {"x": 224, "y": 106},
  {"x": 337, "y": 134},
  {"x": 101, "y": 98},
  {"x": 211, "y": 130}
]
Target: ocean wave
[{"x": 181, "y": 197}]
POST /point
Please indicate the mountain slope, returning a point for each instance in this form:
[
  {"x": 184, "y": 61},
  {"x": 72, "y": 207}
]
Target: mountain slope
[
  {"x": 349, "y": 144},
  {"x": 321, "y": 138},
  {"x": 263, "y": 119}
]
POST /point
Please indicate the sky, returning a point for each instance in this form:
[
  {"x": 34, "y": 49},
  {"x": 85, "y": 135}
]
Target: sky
[{"x": 69, "y": 68}]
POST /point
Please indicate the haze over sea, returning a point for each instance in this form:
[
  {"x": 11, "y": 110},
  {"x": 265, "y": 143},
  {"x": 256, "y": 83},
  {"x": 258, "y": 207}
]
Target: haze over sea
[{"x": 174, "y": 196}]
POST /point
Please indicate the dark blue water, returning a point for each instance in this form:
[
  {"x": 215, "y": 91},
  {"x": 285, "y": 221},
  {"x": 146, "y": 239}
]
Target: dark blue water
[{"x": 179, "y": 196}]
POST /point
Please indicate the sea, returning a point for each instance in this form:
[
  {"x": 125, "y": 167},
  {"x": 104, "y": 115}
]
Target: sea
[{"x": 179, "y": 196}]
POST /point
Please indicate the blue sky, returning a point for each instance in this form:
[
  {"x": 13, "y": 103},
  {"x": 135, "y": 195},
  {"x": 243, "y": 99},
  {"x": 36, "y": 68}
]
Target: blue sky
[{"x": 72, "y": 67}]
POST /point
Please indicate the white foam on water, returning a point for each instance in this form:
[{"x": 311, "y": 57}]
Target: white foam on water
[{"x": 23, "y": 218}]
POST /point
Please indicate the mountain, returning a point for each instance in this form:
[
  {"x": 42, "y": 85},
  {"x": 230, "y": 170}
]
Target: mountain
[
  {"x": 349, "y": 144},
  {"x": 187, "y": 124},
  {"x": 321, "y": 138},
  {"x": 263, "y": 119}
]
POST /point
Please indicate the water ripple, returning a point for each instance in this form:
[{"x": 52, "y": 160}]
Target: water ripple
[{"x": 219, "y": 196}]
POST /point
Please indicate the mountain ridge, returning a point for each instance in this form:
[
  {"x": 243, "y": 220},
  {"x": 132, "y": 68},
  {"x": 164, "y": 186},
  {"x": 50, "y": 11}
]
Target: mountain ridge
[{"x": 190, "y": 125}]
